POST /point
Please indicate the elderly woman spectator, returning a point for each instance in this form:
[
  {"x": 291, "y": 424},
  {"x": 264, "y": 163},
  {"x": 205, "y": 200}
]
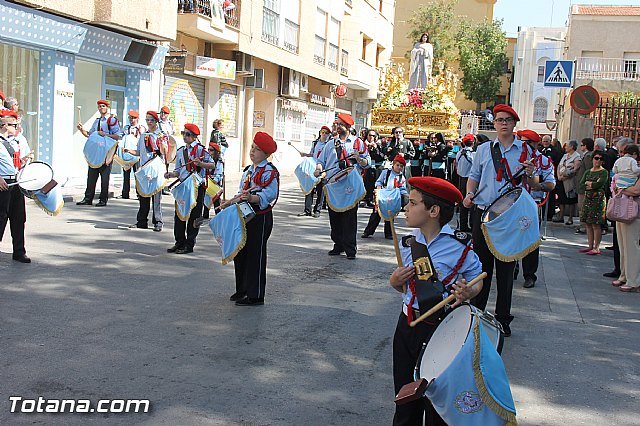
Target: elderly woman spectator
[
  {"x": 567, "y": 188},
  {"x": 628, "y": 233},
  {"x": 586, "y": 152},
  {"x": 592, "y": 210}
]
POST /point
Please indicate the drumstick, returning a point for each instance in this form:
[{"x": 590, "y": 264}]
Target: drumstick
[
  {"x": 441, "y": 305},
  {"x": 23, "y": 181},
  {"x": 396, "y": 246},
  {"x": 79, "y": 115},
  {"x": 299, "y": 152}
]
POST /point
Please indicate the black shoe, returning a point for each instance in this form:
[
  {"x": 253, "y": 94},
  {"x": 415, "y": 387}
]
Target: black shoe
[
  {"x": 237, "y": 296},
  {"x": 351, "y": 256},
  {"x": 334, "y": 252},
  {"x": 101, "y": 204},
  {"x": 184, "y": 250},
  {"x": 157, "y": 227},
  {"x": 22, "y": 258},
  {"x": 506, "y": 330},
  {"x": 365, "y": 235},
  {"x": 124, "y": 197},
  {"x": 389, "y": 237},
  {"x": 304, "y": 214},
  {"x": 529, "y": 283},
  {"x": 316, "y": 214},
  {"x": 135, "y": 225},
  {"x": 84, "y": 202},
  {"x": 248, "y": 301},
  {"x": 609, "y": 248},
  {"x": 612, "y": 274},
  {"x": 173, "y": 248}
]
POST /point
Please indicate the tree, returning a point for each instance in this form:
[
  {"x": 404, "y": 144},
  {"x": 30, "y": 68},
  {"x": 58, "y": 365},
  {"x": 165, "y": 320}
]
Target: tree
[
  {"x": 483, "y": 60},
  {"x": 436, "y": 19}
]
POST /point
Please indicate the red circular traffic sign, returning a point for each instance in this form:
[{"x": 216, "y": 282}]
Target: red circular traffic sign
[
  {"x": 584, "y": 99},
  {"x": 341, "y": 91}
]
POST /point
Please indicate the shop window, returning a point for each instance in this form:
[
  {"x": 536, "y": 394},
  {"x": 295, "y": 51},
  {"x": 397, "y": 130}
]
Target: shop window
[{"x": 115, "y": 77}]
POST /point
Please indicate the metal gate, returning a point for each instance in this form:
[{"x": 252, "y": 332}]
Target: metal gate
[{"x": 617, "y": 117}]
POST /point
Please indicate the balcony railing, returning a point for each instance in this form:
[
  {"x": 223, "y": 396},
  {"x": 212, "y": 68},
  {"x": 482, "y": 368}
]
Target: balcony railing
[
  {"x": 318, "y": 53},
  {"x": 608, "y": 69},
  {"x": 332, "y": 61},
  {"x": 270, "y": 26},
  {"x": 212, "y": 9}
]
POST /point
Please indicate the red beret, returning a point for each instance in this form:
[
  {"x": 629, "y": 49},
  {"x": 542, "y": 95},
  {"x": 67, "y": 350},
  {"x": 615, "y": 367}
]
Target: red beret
[
  {"x": 214, "y": 146},
  {"x": 348, "y": 120},
  {"x": 265, "y": 142},
  {"x": 400, "y": 159},
  {"x": 506, "y": 108},
  {"x": 326, "y": 128},
  {"x": 133, "y": 114},
  {"x": 436, "y": 187},
  {"x": 529, "y": 134},
  {"x": 165, "y": 109},
  {"x": 9, "y": 113},
  {"x": 192, "y": 128},
  {"x": 468, "y": 138},
  {"x": 2, "y": 95},
  {"x": 103, "y": 102},
  {"x": 153, "y": 114}
]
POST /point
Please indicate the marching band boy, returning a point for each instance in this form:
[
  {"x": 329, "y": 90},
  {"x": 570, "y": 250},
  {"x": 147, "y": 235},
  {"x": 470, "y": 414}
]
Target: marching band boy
[
  {"x": 389, "y": 178},
  {"x": 430, "y": 209}
]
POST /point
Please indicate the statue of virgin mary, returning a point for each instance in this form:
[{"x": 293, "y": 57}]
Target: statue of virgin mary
[{"x": 421, "y": 63}]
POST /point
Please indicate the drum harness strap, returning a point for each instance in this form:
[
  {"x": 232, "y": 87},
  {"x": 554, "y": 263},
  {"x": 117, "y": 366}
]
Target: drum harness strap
[
  {"x": 396, "y": 183},
  {"x": 12, "y": 152},
  {"x": 430, "y": 291},
  {"x": 257, "y": 180}
]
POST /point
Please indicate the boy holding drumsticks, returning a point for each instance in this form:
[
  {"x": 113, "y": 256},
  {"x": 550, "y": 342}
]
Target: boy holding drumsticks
[{"x": 430, "y": 209}]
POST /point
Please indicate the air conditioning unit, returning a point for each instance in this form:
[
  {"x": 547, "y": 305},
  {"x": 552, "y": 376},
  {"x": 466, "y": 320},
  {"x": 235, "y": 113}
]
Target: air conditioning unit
[
  {"x": 256, "y": 81},
  {"x": 304, "y": 83},
  {"x": 244, "y": 64},
  {"x": 290, "y": 83}
]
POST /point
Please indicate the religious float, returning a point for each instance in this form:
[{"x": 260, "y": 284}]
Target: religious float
[{"x": 419, "y": 111}]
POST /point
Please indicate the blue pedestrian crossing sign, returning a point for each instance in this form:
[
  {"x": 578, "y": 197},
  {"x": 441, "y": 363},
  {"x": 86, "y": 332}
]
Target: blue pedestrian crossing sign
[{"x": 558, "y": 74}]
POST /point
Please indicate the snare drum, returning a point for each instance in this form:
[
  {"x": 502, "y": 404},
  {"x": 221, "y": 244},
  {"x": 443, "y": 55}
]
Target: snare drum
[
  {"x": 304, "y": 172},
  {"x": 99, "y": 150},
  {"x": 150, "y": 177},
  {"x": 35, "y": 176},
  {"x": 230, "y": 231},
  {"x": 344, "y": 190},
  {"x": 126, "y": 159},
  {"x": 510, "y": 225},
  {"x": 450, "y": 336},
  {"x": 186, "y": 195},
  {"x": 212, "y": 193}
]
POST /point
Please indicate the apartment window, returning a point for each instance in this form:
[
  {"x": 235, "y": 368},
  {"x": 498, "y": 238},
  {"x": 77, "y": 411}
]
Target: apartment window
[
  {"x": 334, "y": 37},
  {"x": 630, "y": 68},
  {"x": 540, "y": 106},
  {"x": 344, "y": 61},
  {"x": 271, "y": 21},
  {"x": 291, "y": 30},
  {"x": 379, "y": 50},
  {"x": 365, "y": 44},
  {"x": 321, "y": 37},
  {"x": 540, "y": 73}
]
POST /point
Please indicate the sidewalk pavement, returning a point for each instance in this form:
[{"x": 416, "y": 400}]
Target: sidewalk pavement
[{"x": 104, "y": 312}]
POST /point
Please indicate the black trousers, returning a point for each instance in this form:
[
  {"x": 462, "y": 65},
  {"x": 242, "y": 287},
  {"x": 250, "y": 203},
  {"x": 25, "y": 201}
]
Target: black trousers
[
  {"x": 126, "y": 180},
  {"x": 616, "y": 249},
  {"x": 530, "y": 265},
  {"x": 504, "y": 274},
  {"x": 12, "y": 209},
  {"x": 369, "y": 183},
  {"x": 416, "y": 171},
  {"x": 142, "y": 219},
  {"x": 251, "y": 262},
  {"x": 104, "y": 172},
  {"x": 308, "y": 199},
  {"x": 205, "y": 209},
  {"x": 344, "y": 226},
  {"x": 374, "y": 221},
  {"x": 184, "y": 232},
  {"x": 407, "y": 344},
  {"x": 465, "y": 216},
  {"x": 439, "y": 173}
]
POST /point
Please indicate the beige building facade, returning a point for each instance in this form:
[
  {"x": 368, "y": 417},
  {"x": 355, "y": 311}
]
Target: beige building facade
[{"x": 297, "y": 64}]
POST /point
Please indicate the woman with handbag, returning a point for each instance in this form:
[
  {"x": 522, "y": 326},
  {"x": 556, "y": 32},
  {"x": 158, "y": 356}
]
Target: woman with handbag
[
  {"x": 629, "y": 242},
  {"x": 567, "y": 189},
  {"x": 592, "y": 213}
]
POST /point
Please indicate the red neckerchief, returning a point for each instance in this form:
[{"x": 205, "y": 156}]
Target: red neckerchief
[
  {"x": 397, "y": 183},
  {"x": 505, "y": 164},
  {"x": 136, "y": 130},
  {"x": 193, "y": 154},
  {"x": 150, "y": 143}
]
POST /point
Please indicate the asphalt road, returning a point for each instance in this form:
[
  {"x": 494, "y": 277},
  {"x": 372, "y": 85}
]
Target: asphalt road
[{"x": 103, "y": 312}]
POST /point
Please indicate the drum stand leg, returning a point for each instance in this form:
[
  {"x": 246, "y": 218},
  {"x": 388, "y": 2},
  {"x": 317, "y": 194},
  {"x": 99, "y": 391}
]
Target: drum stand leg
[{"x": 544, "y": 235}]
